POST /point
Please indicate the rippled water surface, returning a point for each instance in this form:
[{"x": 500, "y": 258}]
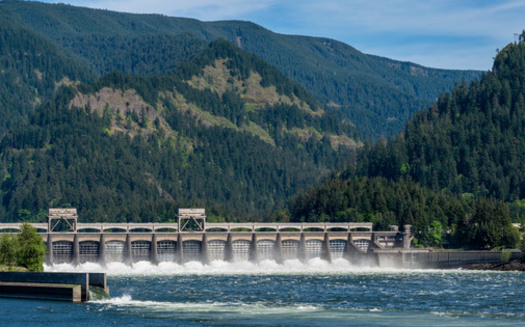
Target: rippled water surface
[{"x": 293, "y": 294}]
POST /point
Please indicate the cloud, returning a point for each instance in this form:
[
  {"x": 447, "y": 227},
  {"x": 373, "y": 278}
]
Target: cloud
[
  {"x": 411, "y": 15},
  {"x": 433, "y": 32}
]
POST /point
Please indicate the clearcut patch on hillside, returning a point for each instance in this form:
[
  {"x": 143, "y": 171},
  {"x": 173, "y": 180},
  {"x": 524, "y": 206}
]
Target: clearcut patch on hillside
[
  {"x": 219, "y": 79},
  {"x": 130, "y": 113}
]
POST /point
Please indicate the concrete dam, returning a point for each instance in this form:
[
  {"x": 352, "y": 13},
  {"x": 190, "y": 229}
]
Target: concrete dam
[{"x": 194, "y": 239}]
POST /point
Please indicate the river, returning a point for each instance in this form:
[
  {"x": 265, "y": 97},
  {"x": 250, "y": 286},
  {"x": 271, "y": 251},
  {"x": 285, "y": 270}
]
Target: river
[{"x": 292, "y": 294}]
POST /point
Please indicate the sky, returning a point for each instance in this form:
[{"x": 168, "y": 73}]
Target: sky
[{"x": 451, "y": 34}]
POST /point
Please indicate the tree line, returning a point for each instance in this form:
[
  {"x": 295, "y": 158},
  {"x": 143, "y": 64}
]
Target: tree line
[{"x": 465, "y": 153}]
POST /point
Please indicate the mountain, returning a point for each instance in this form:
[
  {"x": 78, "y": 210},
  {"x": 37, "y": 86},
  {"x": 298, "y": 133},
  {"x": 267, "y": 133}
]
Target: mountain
[
  {"x": 224, "y": 130},
  {"x": 469, "y": 145},
  {"x": 470, "y": 142},
  {"x": 376, "y": 94},
  {"x": 31, "y": 70}
]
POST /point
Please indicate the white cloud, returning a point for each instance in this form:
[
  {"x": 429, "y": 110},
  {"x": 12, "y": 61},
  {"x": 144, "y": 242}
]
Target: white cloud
[
  {"x": 415, "y": 16},
  {"x": 403, "y": 29}
]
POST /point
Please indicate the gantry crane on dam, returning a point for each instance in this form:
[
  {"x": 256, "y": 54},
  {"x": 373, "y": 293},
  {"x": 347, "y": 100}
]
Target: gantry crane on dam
[{"x": 193, "y": 238}]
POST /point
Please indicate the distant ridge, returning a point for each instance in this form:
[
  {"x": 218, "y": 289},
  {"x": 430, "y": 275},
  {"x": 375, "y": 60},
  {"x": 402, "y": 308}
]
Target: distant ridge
[{"x": 376, "y": 94}]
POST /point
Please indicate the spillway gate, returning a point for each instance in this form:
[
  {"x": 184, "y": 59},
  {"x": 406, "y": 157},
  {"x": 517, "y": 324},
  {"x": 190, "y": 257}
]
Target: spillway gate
[{"x": 194, "y": 239}]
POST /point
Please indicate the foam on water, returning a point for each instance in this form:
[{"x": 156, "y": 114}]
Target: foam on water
[
  {"x": 126, "y": 301},
  {"x": 270, "y": 314},
  {"x": 266, "y": 267},
  {"x": 317, "y": 294}
]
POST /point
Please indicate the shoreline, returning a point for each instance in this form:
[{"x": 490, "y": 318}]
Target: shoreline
[{"x": 512, "y": 265}]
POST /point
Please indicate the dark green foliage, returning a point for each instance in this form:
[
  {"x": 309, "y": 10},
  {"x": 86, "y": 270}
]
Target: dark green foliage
[
  {"x": 476, "y": 224},
  {"x": 487, "y": 226},
  {"x": 145, "y": 55},
  {"x": 471, "y": 142},
  {"x": 376, "y": 94},
  {"x": 66, "y": 157},
  {"x": 380, "y": 201},
  {"x": 465, "y": 154},
  {"x": 241, "y": 63},
  {"x": 31, "y": 250},
  {"x": 30, "y": 68},
  {"x": 7, "y": 249},
  {"x": 436, "y": 233}
]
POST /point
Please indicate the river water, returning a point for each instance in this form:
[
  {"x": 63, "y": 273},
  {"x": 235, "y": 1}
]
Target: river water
[{"x": 292, "y": 294}]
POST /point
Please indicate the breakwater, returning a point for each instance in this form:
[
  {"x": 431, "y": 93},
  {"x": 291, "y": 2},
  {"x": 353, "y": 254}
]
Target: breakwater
[{"x": 58, "y": 286}]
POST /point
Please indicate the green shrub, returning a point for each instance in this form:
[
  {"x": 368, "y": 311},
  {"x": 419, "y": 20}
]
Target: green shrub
[
  {"x": 7, "y": 249},
  {"x": 31, "y": 250},
  {"x": 506, "y": 255}
]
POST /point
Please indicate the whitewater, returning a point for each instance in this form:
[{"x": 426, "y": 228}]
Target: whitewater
[
  {"x": 316, "y": 293},
  {"x": 315, "y": 265}
]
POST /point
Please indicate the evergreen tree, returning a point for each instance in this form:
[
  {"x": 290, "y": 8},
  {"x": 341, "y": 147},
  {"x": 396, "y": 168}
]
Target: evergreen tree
[
  {"x": 30, "y": 248},
  {"x": 7, "y": 249}
]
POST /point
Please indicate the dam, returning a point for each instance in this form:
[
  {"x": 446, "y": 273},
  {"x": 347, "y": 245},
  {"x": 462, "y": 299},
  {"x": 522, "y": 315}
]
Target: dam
[{"x": 194, "y": 239}]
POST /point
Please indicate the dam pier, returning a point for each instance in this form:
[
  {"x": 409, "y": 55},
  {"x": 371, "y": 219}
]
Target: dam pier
[{"x": 194, "y": 239}]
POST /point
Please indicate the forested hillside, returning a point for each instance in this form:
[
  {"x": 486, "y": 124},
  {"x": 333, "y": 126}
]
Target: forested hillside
[
  {"x": 376, "y": 94},
  {"x": 224, "y": 130},
  {"x": 31, "y": 69},
  {"x": 467, "y": 148},
  {"x": 471, "y": 142},
  {"x": 437, "y": 218}
]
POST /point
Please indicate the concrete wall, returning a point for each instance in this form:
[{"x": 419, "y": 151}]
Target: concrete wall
[
  {"x": 98, "y": 280},
  {"x": 81, "y": 279},
  {"x": 437, "y": 259},
  {"x": 42, "y": 291}
]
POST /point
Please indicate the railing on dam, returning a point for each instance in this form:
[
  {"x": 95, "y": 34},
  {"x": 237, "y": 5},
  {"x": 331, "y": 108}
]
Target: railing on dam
[
  {"x": 8, "y": 227},
  {"x": 291, "y": 227},
  {"x": 216, "y": 227}
]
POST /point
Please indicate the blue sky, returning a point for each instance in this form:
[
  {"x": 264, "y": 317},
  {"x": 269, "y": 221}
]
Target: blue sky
[{"x": 457, "y": 34}]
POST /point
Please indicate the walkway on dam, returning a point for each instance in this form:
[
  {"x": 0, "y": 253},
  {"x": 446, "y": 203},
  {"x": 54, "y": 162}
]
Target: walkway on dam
[{"x": 208, "y": 227}]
